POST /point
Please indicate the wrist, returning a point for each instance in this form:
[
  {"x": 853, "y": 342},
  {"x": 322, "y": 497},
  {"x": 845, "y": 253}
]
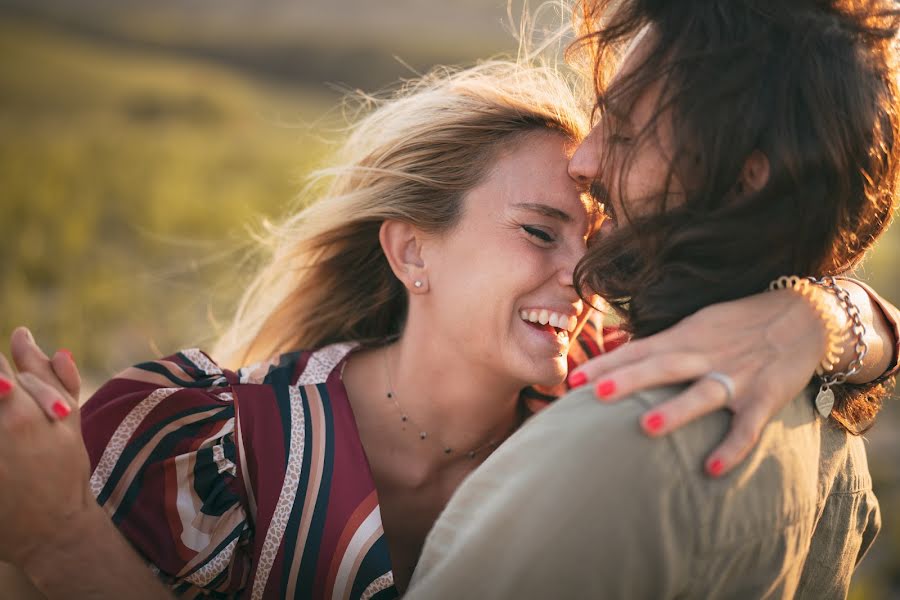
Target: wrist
[
  {"x": 47, "y": 563},
  {"x": 808, "y": 315}
]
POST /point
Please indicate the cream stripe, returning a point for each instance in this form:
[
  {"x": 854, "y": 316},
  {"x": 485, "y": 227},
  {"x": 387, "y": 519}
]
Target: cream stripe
[
  {"x": 317, "y": 465},
  {"x": 277, "y": 527},
  {"x": 224, "y": 526},
  {"x": 205, "y": 574},
  {"x": 201, "y": 361},
  {"x": 139, "y": 461},
  {"x": 368, "y": 533},
  {"x": 187, "y": 502},
  {"x": 322, "y": 362},
  {"x": 382, "y": 583},
  {"x": 123, "y": 433}
]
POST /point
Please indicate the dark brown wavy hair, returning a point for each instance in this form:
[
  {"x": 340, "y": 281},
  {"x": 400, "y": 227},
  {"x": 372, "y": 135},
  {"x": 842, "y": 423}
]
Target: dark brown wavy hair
[{"x": 810, "y": 84}]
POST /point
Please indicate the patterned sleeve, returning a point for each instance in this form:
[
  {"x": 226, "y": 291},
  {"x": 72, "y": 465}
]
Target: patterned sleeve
[{"x": 160, "y": 437}]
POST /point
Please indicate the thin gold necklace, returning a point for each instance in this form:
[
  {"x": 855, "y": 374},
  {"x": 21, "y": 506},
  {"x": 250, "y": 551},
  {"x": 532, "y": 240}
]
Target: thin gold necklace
[{"x": 423, "y": 435}]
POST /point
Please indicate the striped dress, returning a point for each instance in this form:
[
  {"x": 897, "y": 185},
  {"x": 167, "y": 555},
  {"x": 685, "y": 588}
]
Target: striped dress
[{"x": 248, "y": 484}]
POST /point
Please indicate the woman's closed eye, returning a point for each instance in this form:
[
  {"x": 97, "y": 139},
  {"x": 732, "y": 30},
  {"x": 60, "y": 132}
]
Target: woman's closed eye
[{"x": 539, "y": 234}]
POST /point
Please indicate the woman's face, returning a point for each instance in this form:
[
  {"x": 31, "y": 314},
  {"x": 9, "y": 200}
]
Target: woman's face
[{"x": 500, "y": 281}]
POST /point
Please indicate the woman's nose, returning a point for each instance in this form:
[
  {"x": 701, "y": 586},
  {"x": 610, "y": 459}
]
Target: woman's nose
[{"x": 584, "y": 165}]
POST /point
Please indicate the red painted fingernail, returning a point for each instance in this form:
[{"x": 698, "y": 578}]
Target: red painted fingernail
[
  {"x": 653, "y": 422},
  {"x": 577, "y": 380},
  {"x": 606, "y": 388},
  {"x": 715, "y": 467},
  {"x": 6, "y": 386},
  {"x": 61, "y": 409},
  {"x": 67, "y": 353}
]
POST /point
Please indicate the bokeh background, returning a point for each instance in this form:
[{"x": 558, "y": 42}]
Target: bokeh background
[{"x": 141, "y": 144}]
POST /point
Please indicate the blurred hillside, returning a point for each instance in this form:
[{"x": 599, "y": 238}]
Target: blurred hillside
[
  {"x": 309, "y": 41},
  {"x": 140, "y": 141}
]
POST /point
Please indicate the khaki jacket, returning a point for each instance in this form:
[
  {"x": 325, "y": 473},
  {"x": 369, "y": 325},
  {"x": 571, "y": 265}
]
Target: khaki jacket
[{"x": 580, "y": 504}]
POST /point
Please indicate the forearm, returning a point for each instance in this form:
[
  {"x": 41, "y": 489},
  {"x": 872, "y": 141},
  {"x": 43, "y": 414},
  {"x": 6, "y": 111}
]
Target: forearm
[
  {"x": 880, "y": 335},
  {"x": 90, "y": 559}
]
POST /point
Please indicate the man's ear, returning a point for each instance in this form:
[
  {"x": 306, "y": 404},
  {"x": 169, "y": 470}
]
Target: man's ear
[
  {"x": 402, "y": 245},
  {"x": 755, "y": 173}
]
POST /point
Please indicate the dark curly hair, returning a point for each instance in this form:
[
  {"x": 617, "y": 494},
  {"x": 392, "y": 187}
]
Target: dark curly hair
[{"x": 810, "y": 84}]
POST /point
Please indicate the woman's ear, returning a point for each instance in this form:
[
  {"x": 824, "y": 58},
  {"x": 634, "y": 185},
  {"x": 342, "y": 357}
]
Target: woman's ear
[
  {"x": 755, "y": 173},
  {"x": 402, "y": 245}
]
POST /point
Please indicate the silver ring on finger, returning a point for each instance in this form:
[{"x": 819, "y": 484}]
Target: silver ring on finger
[{"x": 726, "y": 381}]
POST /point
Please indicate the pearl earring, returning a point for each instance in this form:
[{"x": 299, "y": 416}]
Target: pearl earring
[{"x": 418, "y": 283}]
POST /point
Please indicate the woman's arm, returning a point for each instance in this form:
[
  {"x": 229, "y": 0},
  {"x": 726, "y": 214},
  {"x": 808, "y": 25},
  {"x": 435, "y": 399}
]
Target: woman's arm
[
  {"x": 89, "y": 558},
  {"x": 768, "y": 344},
  {"x": 882, "y": 321},
  {"x": 53, "y": 529}
]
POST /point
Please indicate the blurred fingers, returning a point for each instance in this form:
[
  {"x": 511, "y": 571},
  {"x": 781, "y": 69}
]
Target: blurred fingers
[
  {"x": 7, "y": 377},
  {"x": 67, "y": 372},
  {"x": 29, "y": 358},
  {"x": 48, "y": 398}
]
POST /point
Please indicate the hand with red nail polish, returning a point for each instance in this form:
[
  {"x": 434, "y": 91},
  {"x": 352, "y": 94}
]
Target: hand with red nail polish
[
  {"x": 54, "y": 531},
  {"x": 45, "y": 479},
  {"x": 58, "y": 371}
]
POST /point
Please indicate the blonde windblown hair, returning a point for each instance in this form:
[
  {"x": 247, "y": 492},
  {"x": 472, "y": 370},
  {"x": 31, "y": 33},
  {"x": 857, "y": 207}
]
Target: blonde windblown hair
[{"x": 413, "y": 158}]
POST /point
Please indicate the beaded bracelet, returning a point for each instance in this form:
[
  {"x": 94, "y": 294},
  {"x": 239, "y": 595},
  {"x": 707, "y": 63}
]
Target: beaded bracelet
[{"x": 812, "y": 289}]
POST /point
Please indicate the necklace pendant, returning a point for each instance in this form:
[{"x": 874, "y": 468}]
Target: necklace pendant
[
  {"x": 423, "y": 435},
  {"x": 825, "y": 401}
]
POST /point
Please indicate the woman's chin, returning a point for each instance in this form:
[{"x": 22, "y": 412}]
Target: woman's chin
[{"x": 549, "y": 373}]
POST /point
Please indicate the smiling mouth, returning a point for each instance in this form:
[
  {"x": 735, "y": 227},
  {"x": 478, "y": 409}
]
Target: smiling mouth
[{"x": 551, "y": 322}]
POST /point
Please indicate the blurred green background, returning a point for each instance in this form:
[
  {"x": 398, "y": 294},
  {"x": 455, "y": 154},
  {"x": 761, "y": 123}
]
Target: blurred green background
[{"x": 141, "y": 142}]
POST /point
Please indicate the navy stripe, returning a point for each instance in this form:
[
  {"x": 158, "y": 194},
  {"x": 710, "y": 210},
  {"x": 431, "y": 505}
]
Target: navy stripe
[
  {"x": 376, "y": 561},
  {"x": 310, "y": 561},
  {"x": 137, "y": 443},
  {"x": 159, "y": 369},
  {"x": 162, "y": 452},
  {"x": 289, "y": 543}
]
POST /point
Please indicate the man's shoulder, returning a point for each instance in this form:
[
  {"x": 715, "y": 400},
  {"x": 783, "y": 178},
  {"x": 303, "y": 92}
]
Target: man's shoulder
[
  {"x": 602, "y": 445},
  {"x": 591, "y": 423}
]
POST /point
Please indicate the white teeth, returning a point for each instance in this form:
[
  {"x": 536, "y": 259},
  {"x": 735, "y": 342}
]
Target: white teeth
[{"x": 546, "y": 317}]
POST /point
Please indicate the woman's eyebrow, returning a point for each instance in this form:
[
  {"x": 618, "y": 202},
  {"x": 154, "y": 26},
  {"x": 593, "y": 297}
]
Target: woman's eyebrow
[{"x": 545, "y": 210}]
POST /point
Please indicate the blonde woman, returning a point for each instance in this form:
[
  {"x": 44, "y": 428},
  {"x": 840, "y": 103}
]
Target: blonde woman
[{"x": 374, "y": 363}]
